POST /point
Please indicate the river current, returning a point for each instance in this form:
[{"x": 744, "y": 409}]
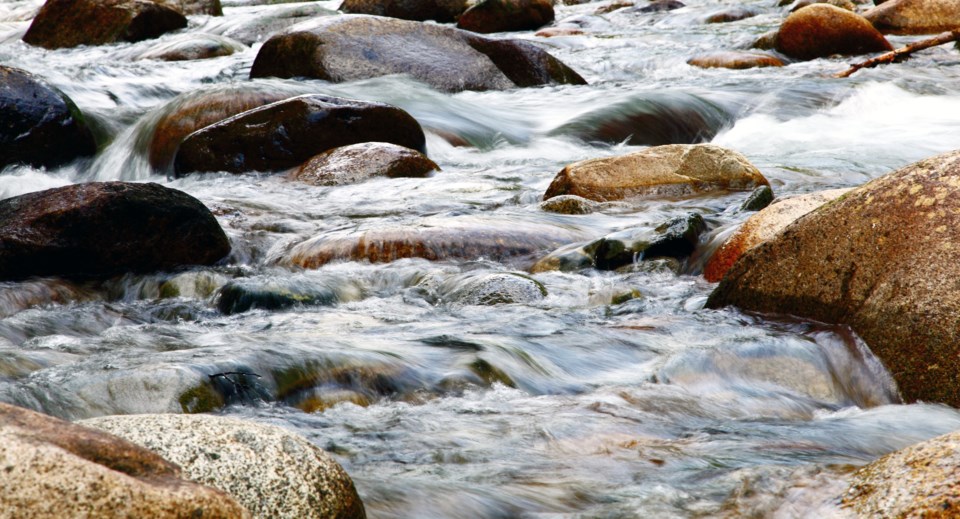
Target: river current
[{"x": 569, "y": 407}]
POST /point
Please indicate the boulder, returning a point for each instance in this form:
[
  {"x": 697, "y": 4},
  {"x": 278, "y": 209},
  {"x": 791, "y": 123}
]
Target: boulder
[
  {"x": 192, "y": 111},
  {"x": 915, "y": 16},
  {"x": 208, "y": 7},
  {"x": 492, "y": 289},
  {"x": 918, "y": 481},
  {"x": 659, "y": 6},
  {"x": 662, "y": 171},
  {"x": 457, "y": 239},
  {"x": 822, "y": 30},
  {"x": 735, "y": 60},
  {"x": 106, "y": 228},
  {"x": 271, "y": 471},
  {"x": 285, "y": 134},
  {"x": 763, "y": 226},
  {"x": 363, "y": 161},
  {"x": 880, "y": 259},
  {"x": 569, "y": 204},
  {"x": 53, "y": 468},
  {"x": 443, "y": 11},
  {"x": 41, "y": 126},
  {"x": 193, "y": 47},
  {"x": 353, "y": 47},
  {"x": 489, "y": 16},
  {"x": 842, "y": 4},
  {"x": 274, "y": 293},
  {"x": 650, "y": 119},
  {"x": 69, "y": 23},
  {"x": 733, "y": 14}
]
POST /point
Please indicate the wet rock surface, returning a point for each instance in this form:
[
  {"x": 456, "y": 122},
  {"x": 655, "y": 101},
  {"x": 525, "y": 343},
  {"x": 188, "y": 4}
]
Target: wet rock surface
[
  {"x": 821, "y": 30},
  {"x": 443, "y": 11},
  {"x": 208, "y": 7},
  {"x": 875, "y": 259},
  {"x": 53, "y": 468},
  {"x": 735, "y": 60},
  {"x": 69, "y": 23},
  {"x": 194, "y": 46},
  {"x": 506, "y": 15},
  {"x": 359, "y": 162},
  {"x": 915, "y": 16},
  {"x": 492, "y": 289}
]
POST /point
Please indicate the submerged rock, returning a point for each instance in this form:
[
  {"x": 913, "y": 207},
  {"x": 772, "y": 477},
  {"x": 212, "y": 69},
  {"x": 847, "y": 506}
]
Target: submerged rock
[
  {"x": 271, "y": 471},
  {"x": 662, "y": 171},
  {"x": 734, "y": 14},
  {"x": 193, "y": 47},
  {"x": 877, "y": 259},
  {"x": 253, "y": 29},
  {"x": 287, "y": 133},
  {"x": 192, "y": 111},
  {"x": 443, "y": 11},
  {"x": 363, "y": 161},
  {"x": 69, "y": 23},
  {"x": 918, "y": 481},
  {"x": 106, "y": 228},
  {"x": 658, "y": 6},
  {"x": 53, "y": 468},
  {"x": 40, "y": 125},
  {"x": 822, "y": 30},
  {"x": 762, "y": 227},
  {"x": 352, "y": 47},
  {"x": 492, "y": 289},
  {"x": 489, "y": 16},
  {"x": 735, "y": 60},
  {"x": 490, "y": 240},
  {"x": 569, "y": 204},
  {"x": 277, "y": 293},
  {"x": 651, "y": 119},
  {"x": 209, "y": 7},
  {"x": 915, "y": 16}
]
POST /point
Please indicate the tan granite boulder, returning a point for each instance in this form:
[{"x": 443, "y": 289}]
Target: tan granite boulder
[
  {"x": 915, "y": 16},
  {"x": 822, "y": 30}
]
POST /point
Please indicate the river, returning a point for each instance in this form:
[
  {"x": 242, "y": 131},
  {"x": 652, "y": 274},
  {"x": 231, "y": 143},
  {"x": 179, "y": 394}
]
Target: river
[{"x": 567, "y": 407}]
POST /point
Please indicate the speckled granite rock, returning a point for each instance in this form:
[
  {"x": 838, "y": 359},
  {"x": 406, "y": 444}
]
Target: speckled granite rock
[
  {"x": 273, "y": 472},
  {"x": 52, "y": 468},
  {"x": 922, "y": 480}
]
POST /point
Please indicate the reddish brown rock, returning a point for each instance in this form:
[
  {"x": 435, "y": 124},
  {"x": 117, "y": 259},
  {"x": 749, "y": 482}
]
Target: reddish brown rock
[
  {"x": 352, "y": 47},
  {"x": 661, "y": 171},
  {"x": 68, "y": 23},
  {"x": 53, "y": 468},
  {"x": 842, "y": 4},
  {"x": 881, "y": 259},
  {"x": 464, "y": 239},
  {"x": 285, "y": 134},
  {"x": 193, "y": 47},
  {"x": 443, "y": 11},
  {"x": 506, "y": 15},
  {"x": 915, "y": 16},
  {"x": 359, "y": 162},
  {"x": 822, "y": 30},
  {"x": 39, "y": 125},
  {"x": 208, "y": 7},
  {"x": 193, "y": 111},
  {"x": 551, "y": 32},
  {"x": 763, "y": 226},
  {"x": 735, "y": 60},
  {"x": 106, "y": 228}
]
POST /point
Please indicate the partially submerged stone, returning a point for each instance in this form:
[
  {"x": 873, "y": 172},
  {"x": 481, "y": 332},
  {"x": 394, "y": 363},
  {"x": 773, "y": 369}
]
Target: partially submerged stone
[
  {"x": 269, "y": 470},
  {"x": 763, "y": 226},
  {"x": 661, "y": 171},
  {"x": 569, "y": 204},
  {"x": 492, "y": 289},
  {"x": 734, "y": 14},
  {"x": 443, "y": 11},
  {"x": 735, "y": 60},
  {"x": 69, "y": 23},
  {"x": 915, "y": 16},
  {"x": 53, "y": 468},
  {"x": 285, "y": 134},
  {"x": 40, "y": 125},
  {"x": 353, "y": 47},
  {"x": 822, "y": 30},
  {"x": 208, "y": 7},
  {"x": 363, "y": 161},
  {"x": 193, "y": 47},
  {"x": 106, "y": 228},
  {"x": 878, "y": 259},
  {"x": 489, "y": 16}
]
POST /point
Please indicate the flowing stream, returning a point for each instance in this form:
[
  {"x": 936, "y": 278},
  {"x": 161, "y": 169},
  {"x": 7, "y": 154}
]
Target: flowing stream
[{"x": 568, "y": 407}]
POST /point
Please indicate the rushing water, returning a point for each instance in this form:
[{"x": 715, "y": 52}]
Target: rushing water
[{"x": 571, "y": 406}]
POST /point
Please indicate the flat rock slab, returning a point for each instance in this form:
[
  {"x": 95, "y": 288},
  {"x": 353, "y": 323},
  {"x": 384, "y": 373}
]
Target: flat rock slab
[
  {"x": 662, "y": 171},
  {"x": 69, "y": 23},
  {"x": 52, "y": 468},
  {"x": 354, "y": 47},
  {"x": 883, "y": 259},
  {"x": 106, "y": 228},
  {"x": 271, "y": 471}
]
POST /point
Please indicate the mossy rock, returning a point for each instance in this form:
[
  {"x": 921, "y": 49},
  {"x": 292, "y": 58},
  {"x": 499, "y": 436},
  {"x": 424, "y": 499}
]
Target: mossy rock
[{"x": 201, "y": 399}]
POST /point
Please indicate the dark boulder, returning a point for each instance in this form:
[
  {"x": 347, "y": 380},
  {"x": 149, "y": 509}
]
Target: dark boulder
[
  {"x": 69, "y": 23},
  {"x": 353, "y": 47},
  {"x": 882, "y": 259},
  {"x": 822, "y": 30},
  {"x": 651, "y": 119},
  {"x": 275, "y": 293},
  {"x": 39, "y": 125},
  {"x": 443, "y": 11},
  {"x": 506, "y": 15},
  {"x": 363, "y": 161},
  {"x": 106, "y": 228},
  {"x": 285, "y": 134}
]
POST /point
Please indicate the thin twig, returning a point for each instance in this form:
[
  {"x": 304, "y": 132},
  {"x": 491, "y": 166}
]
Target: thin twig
[{"x": 903, "y": 52}]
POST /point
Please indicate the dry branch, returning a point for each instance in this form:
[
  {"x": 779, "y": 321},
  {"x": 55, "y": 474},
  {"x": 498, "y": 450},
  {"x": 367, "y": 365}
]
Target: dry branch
[{"x": 903, "y": 52}]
